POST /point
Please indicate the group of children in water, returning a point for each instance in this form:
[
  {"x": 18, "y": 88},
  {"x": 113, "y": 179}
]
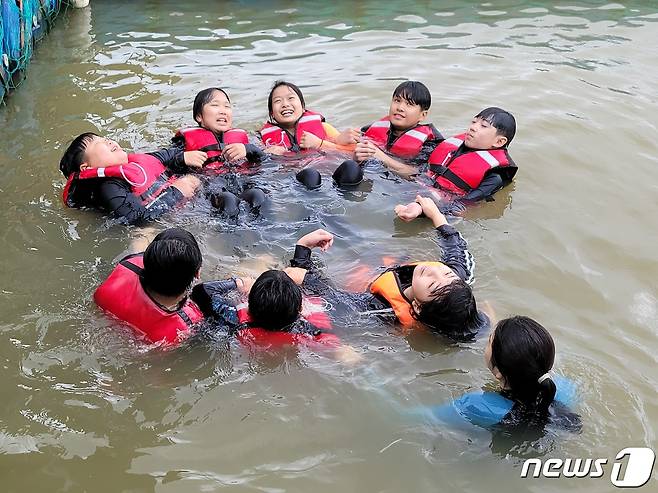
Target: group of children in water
[{"x": 155, "y": 291}]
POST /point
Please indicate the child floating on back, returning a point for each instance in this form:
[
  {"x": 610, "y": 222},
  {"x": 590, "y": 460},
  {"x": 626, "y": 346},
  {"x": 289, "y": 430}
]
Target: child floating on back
[
  {"x": 474, "y": 165},
  {"x": 134, "y": 187}
]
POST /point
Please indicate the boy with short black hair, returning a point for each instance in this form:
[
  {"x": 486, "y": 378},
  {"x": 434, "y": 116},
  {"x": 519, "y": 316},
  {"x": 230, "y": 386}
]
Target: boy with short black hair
[
  {"x": 399, "y": 137},
  {"x": 133, "y": 187},
  {"x": 149, "y": 290},
  {"x": 474, "y": 165}
]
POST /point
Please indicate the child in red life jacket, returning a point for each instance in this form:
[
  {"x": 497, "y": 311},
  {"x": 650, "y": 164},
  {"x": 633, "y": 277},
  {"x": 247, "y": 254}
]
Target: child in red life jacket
[
  {"x": 291, "y": 126},
  {"x": 475, "y": 165},
  {"x": 134, "y": 187},
  {"x": 399, "y": 140},
  {"x": 218, "y": 148},
  {"x": 149, "y": 290},
  {"x": 277, "y": 312},
  {"x": 214, "y": 144}
]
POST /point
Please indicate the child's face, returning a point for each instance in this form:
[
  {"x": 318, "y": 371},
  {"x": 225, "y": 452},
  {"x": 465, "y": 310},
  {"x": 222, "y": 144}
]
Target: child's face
[
  {"x": 483, "y": 135},
  {"x": 427, "y": 278},
  {"x": 404, "y": 114},
  {"x": 102, "y": 152},
  {"x": 217, "y": 114},
  {"x": 286, "y": 106}
]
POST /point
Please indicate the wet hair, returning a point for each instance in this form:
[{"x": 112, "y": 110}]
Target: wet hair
[
  {"x": 502, "y": 120},
  {"x": 292, "y": 86},
  {"x": 415, "y": 92},
  {"x": 524, "y": 351},
  {"x": 171, "y": 262},
  {"x": 74, "y": 155},
  {"x": 275, "y": 301},
  {"x": 451, "y": 312},
  {"x": 203, "y": 98}
]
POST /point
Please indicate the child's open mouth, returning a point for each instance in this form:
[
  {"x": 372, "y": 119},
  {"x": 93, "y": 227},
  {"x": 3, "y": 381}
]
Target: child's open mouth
[{"x": 287, "y": 113}]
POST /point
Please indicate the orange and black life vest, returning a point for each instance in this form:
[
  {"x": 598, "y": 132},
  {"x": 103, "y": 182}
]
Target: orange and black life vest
[{"x": 388, "y": 287}]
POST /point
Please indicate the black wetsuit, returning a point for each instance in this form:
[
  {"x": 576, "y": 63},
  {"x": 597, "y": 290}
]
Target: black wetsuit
[
  {"x": 254, "y": 154},
  {"x": 115, "y": 196}
]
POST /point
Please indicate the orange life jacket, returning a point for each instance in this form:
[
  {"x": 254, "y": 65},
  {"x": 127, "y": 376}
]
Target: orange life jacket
[{"x": 387, "y": 286}]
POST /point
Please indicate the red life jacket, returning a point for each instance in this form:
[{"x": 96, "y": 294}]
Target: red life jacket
[
  {"x": 313, "y": 312},
  {"x": 311, "y": 122},
  {"x": 464, "y": 173},
  {"x": 407, "y": 145},
  {"x": 122, "y": 295},
  {"x": 145, "y": 174},
  {"x": 200, "y": 139}
]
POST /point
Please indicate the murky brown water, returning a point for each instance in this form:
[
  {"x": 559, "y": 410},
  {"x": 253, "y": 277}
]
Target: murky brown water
[{"x": 571, "y": 243}]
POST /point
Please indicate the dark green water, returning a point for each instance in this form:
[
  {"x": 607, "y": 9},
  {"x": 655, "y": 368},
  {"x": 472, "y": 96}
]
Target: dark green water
[{"x": 571, "y": 243}]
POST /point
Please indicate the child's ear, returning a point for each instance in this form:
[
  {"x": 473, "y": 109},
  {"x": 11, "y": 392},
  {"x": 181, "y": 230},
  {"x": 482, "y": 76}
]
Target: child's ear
[
  {"x": 500, "y": 141},
  {"x": 415, "y": 306},
  {"x": 84, "y": 166},
  {"x": 423, "y": 114},
  {"x": 499, "y": 376}
]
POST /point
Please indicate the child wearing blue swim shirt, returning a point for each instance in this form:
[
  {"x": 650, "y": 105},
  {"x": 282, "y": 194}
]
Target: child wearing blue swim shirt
[{"x": 520, "y": 354}]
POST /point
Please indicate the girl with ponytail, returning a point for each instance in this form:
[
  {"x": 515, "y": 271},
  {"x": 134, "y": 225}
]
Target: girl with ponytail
[{"x": 520, "y": 354}]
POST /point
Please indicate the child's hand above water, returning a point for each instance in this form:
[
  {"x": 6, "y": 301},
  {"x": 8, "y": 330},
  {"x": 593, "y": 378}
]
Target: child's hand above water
[
  {"x": 349, "y": 136},
  {"x": 367, "y": 149},
  {"x": 408, "y": 212},
  {"x": 431, "y": 210},
  {"x": 318, "y": 238},
  {"x": 244, "y": 284},
  {"x": 195, "y": 159},
  {"x": 235, "y": 152},
  {"x": 310, "y": 141}
]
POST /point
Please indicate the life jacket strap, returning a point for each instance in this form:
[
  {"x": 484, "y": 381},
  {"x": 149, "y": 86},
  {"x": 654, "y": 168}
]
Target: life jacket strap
[{"x": 448, "y": 174}]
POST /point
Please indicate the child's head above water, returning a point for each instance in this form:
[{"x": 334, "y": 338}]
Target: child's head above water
[
  {"x": 520, "y": 353},
  {"x": 444, "y": 302},
  {"x": 409, "y": 105},
  {"x": 275, "y": 301},
  {"x": 212, "y": 110},
  {"x": 171, "y": 262},
  {"x": 491, "y": 128},
  {"x": 89, "y": 150},
  {"x": 285, "y": 103}
]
